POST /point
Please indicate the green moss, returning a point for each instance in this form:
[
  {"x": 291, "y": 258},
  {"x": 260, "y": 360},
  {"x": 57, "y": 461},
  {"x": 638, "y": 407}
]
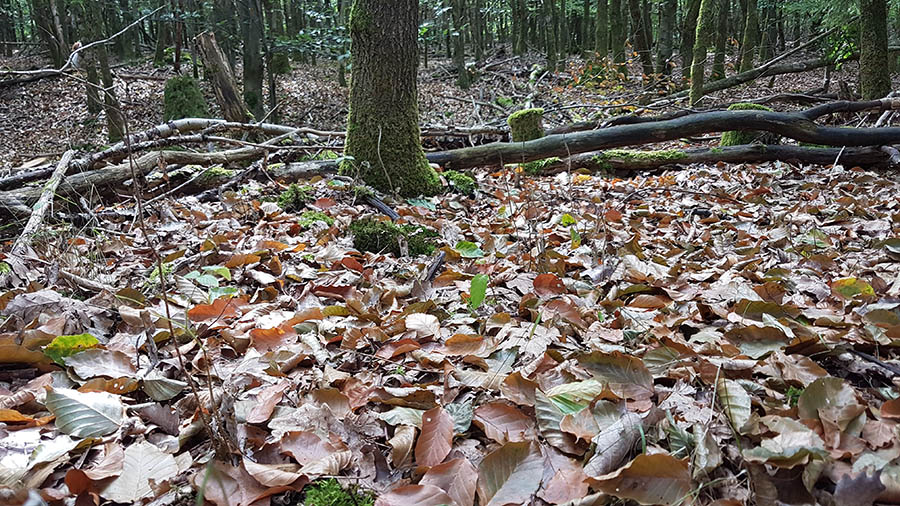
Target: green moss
[
  {"x": 716, "y": 150},
  {"x": 330, "y": 493},
  {"x": 308, "y": 218},
  {"x": 183, "y": 99},
  {"x": 383, "y": 236},
  {"x": 326, "y": 154},
  {"x": 280, "y": 64},
  {"x": 362, "y": 192},
  {"x": 525, "y": 125},
  {"x": 537, "y": 167},
  {"x": 461, "y": 183},
  {"x": 740, "y": 137},
  {"x": 625, "y": 156},
  {"x": 215, "y": 173},
  {"x": 811, "y": 145},
  {"x": 295, "y": 197}
]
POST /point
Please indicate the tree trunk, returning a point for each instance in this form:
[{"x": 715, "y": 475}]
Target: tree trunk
[
  {"x": 718, "y": 69},
  {"x": 667, "y": 11},
  {"x": 617, "y": 34},
  {"x": 688, "y": 34},
  {"x": 225, "y": 28},
  {"x": 705, "y": 25},
  {"x": 223, "y": 83},
  {"x": 478, "y": 35},
  {"x": 459, "y": 46},
  {"x": 751, "y": 36},
  {"x": 382, "y": 127},
  {"x": 601, "y": 37},
  {"x": 639, "y": 31},
  {"x": 874, "y": 76},
  {"x": 550, "y": 25},
  {"x": 252, "y": 34},
  {"x": 115, "y": 122}
]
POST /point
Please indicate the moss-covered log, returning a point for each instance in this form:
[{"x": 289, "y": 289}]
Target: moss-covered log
[
  {"x": 382, "y": 127},
  {"x": 797, "y": 125},
  {"x": 874, "y": 72},
  {"x": 739, "y": 137},
  {"x": 627, "y": 160}
]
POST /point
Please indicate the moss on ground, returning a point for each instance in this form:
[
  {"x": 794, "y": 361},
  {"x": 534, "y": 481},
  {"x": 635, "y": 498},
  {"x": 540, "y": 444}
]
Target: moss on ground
[
  {"x": 330, "y": 493},
  {"x": 295, "y": 197},
  {"x": 525, "y": 125},
  {"x": 536, "y": 168},
  {"x": 461, "y": 183},
  {"x": 215, "y": 173},
  {"x": 377, "y": 236},
  {"x": 625, "y": 155},
  {"x": 308, "y": 218},
  {"x": 739, "y": 137},
  {"x": 182, "y": 98}
]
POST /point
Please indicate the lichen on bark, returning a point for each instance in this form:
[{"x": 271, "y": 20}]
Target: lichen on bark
[{"x": 383, "y": 137}]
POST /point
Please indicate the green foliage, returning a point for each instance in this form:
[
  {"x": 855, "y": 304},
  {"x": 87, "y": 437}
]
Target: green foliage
[
  {"x": 329, "y": 493},
  {"x": 280, "y": 64},
  {"x": 468, "y": 249},
  {"x": 183, "y": 99},
  {"x": 154, "y": 274},
  {"x": 525, "y": 125},
  {"x": 739, "y": 137},
  {"x": 295, "y": 197},
  {"x": 377, "y": 236},
  {"x": 477, "y": 291},
  {"x": 793, "y": 395},
  {"x": 66, "y": 346},
  {"x": 308, "y": 218},
  {"x": 461, "y": 183},
  {"x": 5, "y": 268},
  {"x": 626, "y": 155}
]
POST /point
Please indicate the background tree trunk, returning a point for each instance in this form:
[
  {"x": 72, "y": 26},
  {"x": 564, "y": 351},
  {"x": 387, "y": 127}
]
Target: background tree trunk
[
  {"x": 718, "y": 69},
  {"x": 459, "y": 44},
  {"x": 874, "y": 76},
  {"x": 688, "y": 34},
  {"x": 601, "y": 37},
  {"x": 705, "y": 22},
  {"x": 252, "y": 33},
  {"x": 218, "y": 71},
  {"x": 751, "y": 36},
  {"x": 617, "y": 34},
  {"x": 667, "y": 12},
  {"x": 639, "y": 31},
  {"x": 382, "y": 127}
]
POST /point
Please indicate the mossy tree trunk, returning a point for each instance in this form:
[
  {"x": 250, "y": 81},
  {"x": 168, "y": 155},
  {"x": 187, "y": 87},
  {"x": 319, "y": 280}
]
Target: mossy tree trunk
[
  {"x": 601, "y": 37},
  {"x": 639, "y": 31},
  {"x": 751, "y": 36},
  {"x": 218, "y": 71},
  {"x": 550, "y": 25},
  {"x": 617, "y": 34},
  {"x": 688, "y": 33},
  {"x": 252, "y": 32},
  {"x": 382, "y": 127},
  {"x": 667, "y": 12},
  {"x": 874, "y": 77},
  {"x": 705, "y": 25}
]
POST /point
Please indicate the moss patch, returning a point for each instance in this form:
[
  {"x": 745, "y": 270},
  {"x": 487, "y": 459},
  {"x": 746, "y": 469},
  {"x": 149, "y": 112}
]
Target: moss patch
[
  {"x": 461, "y": 183},
  {"x": 295, "y": 197},
  {"x": 183, "y": 99},
  {"x": 626, "y": 156},
  {"x": 383, "y": 236},
  {"x": 330, "y": 493},
  {"x": 308, "y": 218},
  {"x": 536, "y": 168},
  {"x": 525, "y": 125},
  {"x": 739, "y": 137},
  {"x": 281, "y": 64},
  {"x": 216, "y": 173}
]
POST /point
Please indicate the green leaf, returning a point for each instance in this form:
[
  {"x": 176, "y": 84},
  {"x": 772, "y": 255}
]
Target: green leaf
[
  {"x": 468, "y": 249},
  {"x": 222, "y": 271},
  {"x": 735, "y": 401},
  {"x": 848, "y": 288},
  {"x": 477, "y": 291},
  {"x": 64, "y": 346},
  {"x": 424, "y": 203},
  {"x": 208, "y": 280},
  {"x": 85, "y": 414},
  {"x": 567, "y": 220}
]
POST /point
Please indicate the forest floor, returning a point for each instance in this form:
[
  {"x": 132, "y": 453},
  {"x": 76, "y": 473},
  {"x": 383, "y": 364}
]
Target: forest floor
[{"x": 720, "y": 334}]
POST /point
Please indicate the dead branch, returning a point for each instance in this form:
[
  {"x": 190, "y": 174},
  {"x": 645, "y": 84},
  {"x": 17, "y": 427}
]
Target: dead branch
[{"x": 23, "y": 244}]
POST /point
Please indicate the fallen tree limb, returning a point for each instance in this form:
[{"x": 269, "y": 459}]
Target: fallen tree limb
[
  {"x": 23, "y": 244},
  {"x": 627, "y": 160},
  {"x": 794, "y": 125}
]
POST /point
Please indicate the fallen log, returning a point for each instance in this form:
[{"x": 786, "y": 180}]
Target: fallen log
[
  {"x": 628, "y": 160},
  {"x": 794, "y": 125}
]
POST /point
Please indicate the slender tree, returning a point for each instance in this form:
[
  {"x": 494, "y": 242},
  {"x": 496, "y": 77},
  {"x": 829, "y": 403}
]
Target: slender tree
[
  {"x": 382, "y": 127},
  {"x": 751, "y": 36},
  {"x": 688, "y": 33},
  {"x": 459, "y": 43},
  {"x": 721, "y": 36},
  {"x": 601, "y": 38},
  {"x": 874, "y": 72},
  {"x": 641, "y": 42},
  {"x": 617, "y": 33},
  {"x": 706, "y": 22},
  {"x": 252, "y": 32},
  {"x": 667, "y": 12}
]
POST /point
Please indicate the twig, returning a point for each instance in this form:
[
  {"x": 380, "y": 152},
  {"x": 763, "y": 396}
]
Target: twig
[{"x": 23, "y": 243}]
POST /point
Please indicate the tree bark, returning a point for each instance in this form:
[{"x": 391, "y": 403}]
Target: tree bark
[
  {"x": 639, "y": 32},
  {"x": 459, "y": 46},
  {"x": 874, "y": 73},
  {"x": 718, "y": 68},
  {"x": 667, "y": 11},
  {"x": 705, "y": 23},
  {"x": 617, "y": 34},
  {"x": 219, "y": 73},
  {"x": 601, "y": 37},
  {"x": 252, "y": 32},
  {"x": 751, "y": 36},
  {"x": 382, "y": 127},
  {"x": 688, "y": 34}
]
